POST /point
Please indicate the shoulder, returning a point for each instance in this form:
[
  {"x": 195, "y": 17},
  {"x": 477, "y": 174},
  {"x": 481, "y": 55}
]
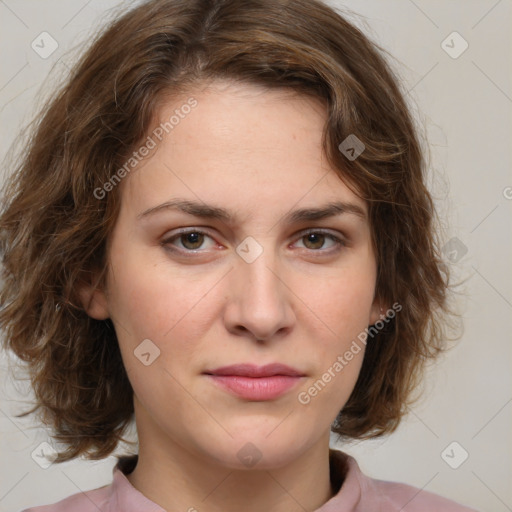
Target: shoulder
[
  {"x": 360, "y": 492},
  {"x": 88, "y": 501},
  {"x": 400, "y": 496},
  {"x": 117, "y": 496}
]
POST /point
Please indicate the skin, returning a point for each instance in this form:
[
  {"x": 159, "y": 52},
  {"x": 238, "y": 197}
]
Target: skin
[{"x": 301, "y": 302}]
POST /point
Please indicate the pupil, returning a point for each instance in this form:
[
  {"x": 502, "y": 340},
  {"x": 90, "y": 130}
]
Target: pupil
[
  {"x": 315, "y": 238},
  {"x": 192, "y": 239}
]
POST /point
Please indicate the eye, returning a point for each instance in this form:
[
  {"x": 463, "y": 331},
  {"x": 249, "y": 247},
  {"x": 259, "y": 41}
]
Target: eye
[
  {"x": 193, "y": 240},
  {"x": 190, "y": 240},
  {"x": 315, "y": 240}
]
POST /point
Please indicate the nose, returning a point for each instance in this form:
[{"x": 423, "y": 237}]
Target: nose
[{"x": 259, "y": 301}]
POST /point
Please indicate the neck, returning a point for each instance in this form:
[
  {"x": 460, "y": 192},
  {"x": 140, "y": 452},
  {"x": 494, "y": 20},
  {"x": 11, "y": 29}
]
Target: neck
[{"x": 177, "y": 479}]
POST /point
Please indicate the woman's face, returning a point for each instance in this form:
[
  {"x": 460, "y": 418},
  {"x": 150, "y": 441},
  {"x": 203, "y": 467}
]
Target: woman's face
[{"x": 249, "y": 286}]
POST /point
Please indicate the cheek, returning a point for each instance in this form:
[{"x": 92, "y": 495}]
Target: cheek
[
  {"x": 340, "y": 312},
  {"x": 150, "y": 297},
  {"x": 155, "y": 301},
  {"x": 342, "y": 304}
]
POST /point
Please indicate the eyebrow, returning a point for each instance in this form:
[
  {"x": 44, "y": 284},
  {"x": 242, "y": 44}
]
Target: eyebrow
[{"x": 205, "y": 211}]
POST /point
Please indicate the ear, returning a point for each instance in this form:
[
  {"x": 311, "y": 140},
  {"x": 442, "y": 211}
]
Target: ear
[
  {"x": 94, "y": 301},
  {"x": 377, "y": 311}
]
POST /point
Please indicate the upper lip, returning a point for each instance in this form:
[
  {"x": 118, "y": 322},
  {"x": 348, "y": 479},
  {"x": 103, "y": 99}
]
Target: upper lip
[{"x": 251, "y": 370}]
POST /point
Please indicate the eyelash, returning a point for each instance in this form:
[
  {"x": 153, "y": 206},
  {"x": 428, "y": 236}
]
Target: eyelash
[{"x": 340, "y": 243}]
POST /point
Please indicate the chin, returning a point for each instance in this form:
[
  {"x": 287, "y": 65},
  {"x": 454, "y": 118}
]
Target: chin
[{"x": 258, "y": 452}]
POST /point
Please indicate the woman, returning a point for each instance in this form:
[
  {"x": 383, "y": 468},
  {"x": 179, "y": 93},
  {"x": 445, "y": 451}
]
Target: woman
[{"x": 221, "y": 230}]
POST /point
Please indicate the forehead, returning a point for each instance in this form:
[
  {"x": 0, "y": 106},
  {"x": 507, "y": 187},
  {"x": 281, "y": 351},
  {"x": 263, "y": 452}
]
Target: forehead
[{"x": 240, "y": 144}]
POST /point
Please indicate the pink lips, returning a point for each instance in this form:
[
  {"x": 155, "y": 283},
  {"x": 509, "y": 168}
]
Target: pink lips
[{"x": 256, "y": 382}]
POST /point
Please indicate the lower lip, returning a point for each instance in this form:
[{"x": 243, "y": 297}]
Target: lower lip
[{"x": 256, "y": 388}]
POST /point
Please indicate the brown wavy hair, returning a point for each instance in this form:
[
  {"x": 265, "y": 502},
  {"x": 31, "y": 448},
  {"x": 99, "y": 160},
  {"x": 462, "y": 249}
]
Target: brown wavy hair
[{"x": 54, "y": 231}]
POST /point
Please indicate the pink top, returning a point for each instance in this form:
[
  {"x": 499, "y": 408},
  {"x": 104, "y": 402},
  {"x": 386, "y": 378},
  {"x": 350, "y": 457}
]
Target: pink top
[{"x": 358, "y": 493}]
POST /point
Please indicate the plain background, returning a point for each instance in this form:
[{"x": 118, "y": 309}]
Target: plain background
[{"x": 464, "y": 105}]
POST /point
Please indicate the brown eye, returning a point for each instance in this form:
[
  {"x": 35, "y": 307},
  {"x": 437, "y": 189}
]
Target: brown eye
[
  {"x": 316, "y": 240},
  {"x": 188, "y": 241},
  {"x": 192, "y": 240}
]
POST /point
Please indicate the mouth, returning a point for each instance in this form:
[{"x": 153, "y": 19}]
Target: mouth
[
  {"x": 256, "y": 383},
  {"x": 251, "y": 370}
]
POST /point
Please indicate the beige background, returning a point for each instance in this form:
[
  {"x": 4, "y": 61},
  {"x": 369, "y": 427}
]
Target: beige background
[{"x": 465, "y": 105}]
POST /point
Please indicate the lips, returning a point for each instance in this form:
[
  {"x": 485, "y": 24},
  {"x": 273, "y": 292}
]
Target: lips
[
  {"x": 250, "y": 370},
  {"x": 256, "y": 383}
]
